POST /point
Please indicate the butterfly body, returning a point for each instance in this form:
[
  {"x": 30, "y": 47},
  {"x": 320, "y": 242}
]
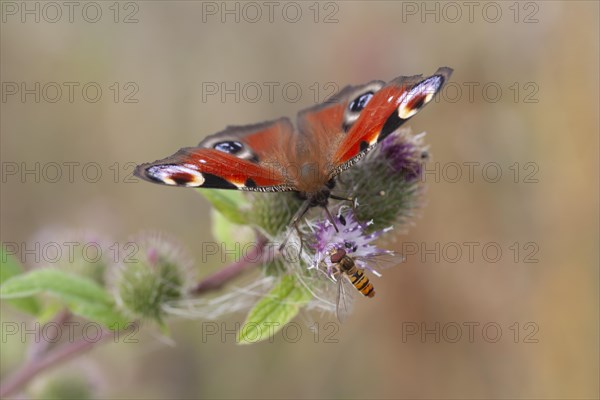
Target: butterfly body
[{"x": 274, "y": 157}]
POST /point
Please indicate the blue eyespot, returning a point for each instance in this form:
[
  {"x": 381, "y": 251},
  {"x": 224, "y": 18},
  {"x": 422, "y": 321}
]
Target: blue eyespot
[
  {"x": 360, "y": 102},
  {"x": 230, "y": 147}
]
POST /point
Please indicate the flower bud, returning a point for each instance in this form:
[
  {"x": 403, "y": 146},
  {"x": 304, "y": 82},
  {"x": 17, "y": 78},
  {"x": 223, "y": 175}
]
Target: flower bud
[
  {"x": 387, "y": 183},
  {"x": 159, "y": 274},
  {"x": 78, "y": 380}
]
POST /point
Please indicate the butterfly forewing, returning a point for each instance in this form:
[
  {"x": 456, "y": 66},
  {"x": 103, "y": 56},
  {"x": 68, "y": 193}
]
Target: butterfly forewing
[
  {"x": 259, "y": 143},
  {"x": 235, "y": 158},
  {"x": 387, "y": 110}
]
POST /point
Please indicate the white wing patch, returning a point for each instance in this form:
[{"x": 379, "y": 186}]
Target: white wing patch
[
  {"x": 176, "y": 175},
  {"x": 413, "y": 100}
]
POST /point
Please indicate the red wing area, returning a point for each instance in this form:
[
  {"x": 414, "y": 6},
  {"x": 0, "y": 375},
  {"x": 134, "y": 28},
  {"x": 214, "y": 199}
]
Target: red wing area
[
  {"x": 365, "y": 131},
  {"x": 210, "y": 168},
  {"x": 324, "y": 127},
  {"x": 264, "y": 142},
  {"x": 325, "y": 119}
]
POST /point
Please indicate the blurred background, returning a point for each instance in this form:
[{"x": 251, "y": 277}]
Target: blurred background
[{"x": 103, "y": 86}]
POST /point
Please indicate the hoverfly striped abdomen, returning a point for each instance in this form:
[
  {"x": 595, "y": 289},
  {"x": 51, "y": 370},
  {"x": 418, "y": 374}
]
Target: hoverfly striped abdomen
[{"x": 362, "y": 283}]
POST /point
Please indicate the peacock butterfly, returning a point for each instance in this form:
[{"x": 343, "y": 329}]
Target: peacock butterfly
[{"x": 329, "y": 138}]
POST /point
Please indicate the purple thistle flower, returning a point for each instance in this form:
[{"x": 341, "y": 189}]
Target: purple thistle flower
[
  {"x": 405, "y": 153},
  {"x": 352, "y": 237}
]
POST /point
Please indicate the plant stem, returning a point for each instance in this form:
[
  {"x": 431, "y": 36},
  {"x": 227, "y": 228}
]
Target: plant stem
[
  {"x": 35, "y": 365},
  {"x": 39, "y": 347},
  {"x": 224, "y": 275}
]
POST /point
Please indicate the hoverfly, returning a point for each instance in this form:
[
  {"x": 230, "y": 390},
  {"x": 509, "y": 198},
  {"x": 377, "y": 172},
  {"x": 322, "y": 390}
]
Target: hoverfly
[
  {"x": 348, "y": 269},
  {"x": 346, "y": 265}
]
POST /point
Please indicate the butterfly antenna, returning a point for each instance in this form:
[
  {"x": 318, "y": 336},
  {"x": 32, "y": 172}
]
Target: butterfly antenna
[{"x": 340, "y": 197}]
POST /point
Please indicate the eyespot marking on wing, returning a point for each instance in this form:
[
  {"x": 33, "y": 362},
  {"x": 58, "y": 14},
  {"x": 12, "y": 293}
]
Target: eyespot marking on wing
[
  {"x": 359, "y": 100},
  {"x": 229, "y": 146}
]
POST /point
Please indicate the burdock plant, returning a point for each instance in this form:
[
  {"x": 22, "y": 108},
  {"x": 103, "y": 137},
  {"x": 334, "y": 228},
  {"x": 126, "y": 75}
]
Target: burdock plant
[{"x": 385, "y": 187}]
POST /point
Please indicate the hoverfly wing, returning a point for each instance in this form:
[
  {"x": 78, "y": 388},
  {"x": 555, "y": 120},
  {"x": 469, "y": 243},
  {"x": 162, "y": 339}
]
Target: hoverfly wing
[
  {"x": 379, "y": 261},
  {"x": 345, "y": 298}
]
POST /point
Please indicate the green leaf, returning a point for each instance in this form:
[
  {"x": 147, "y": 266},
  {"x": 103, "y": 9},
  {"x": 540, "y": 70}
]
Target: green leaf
[
  {"x": 9, "y": 267},
  {"x": 230, "y": 203},
  {"x": 274, "y": 310},
  {"x": 104, "y": 314},
  {"x": 52, "y": 306},
  {"x": 68, "y": 286},
  {"x": 83, "y": 296}
]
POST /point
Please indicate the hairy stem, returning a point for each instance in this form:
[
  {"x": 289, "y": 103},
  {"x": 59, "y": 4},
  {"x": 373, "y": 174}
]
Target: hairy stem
[
  {"x": 224, "y": 275},
  {"x": 38, "y": 364},
  {"x": 39, "y": 347}
]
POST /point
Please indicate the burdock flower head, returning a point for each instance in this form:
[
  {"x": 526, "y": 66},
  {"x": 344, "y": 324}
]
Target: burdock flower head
[
  {"x": 352, "y": 236},
  {"x": 155, "y": 275},
  {"x": 405, "y": 154},
  {"x": 388, "y": 181}
]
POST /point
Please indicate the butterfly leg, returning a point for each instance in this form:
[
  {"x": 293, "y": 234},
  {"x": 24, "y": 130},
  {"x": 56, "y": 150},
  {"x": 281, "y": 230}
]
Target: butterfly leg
[
  {"x": 287, "y": 238},
  {"x": 331, "y": 218},
  {"x": 301, "y": 241},
  {"x": 294, "y": 223}
]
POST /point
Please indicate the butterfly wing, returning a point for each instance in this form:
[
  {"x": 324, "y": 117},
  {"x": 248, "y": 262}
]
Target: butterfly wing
[
  {"x": 387, "y": 109},
  {"x": 251, "y": 157}
]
